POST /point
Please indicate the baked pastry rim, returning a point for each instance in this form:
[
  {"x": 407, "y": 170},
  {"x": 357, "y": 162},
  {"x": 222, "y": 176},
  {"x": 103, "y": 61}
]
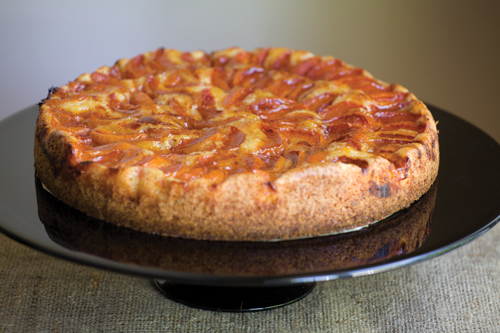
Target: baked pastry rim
[{"x": 260, "y": 210}]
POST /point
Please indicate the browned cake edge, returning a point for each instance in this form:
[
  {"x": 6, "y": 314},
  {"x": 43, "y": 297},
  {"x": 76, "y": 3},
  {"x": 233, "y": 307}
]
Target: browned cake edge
[
  {"x": 314, "y": 199},
  {"x": 403, "y": 233}
]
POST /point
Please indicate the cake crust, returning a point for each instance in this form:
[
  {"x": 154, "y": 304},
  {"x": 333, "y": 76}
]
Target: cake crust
[{"x": 347, "y": 180}]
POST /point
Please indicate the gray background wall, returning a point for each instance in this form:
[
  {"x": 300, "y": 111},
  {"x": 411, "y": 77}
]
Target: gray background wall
[{"x": 446, "y": 52}]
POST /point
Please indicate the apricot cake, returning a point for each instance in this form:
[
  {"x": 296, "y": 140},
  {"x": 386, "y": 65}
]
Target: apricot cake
[{"x": 236, "y": 145}]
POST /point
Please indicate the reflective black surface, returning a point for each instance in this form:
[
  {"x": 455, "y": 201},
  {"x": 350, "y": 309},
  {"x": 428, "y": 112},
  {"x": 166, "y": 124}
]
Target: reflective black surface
[
  {"x": 467, "y": 204},
  {"x": 235, "y": 299},
  {"x": 399, "y": 234}
]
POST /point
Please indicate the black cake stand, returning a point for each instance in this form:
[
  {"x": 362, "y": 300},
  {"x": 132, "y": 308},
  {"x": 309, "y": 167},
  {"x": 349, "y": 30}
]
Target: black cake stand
[{"x": 224, "y": 276}]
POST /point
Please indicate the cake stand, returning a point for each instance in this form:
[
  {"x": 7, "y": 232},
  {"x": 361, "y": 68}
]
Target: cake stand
[{"x": 462, "y": 205}]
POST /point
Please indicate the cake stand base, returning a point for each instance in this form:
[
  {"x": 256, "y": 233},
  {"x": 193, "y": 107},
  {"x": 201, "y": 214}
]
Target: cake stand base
[{"x": 234, "y": 299}]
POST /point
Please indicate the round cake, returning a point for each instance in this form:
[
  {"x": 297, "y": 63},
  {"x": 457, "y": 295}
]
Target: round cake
[{"x": 235, "y": 145}]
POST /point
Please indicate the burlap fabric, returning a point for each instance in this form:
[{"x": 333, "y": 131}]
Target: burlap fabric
[{"x": 457, "y": 292}]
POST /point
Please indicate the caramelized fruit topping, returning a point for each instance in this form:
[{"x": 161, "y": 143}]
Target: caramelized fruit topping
[{"x": 197, "y": 115}]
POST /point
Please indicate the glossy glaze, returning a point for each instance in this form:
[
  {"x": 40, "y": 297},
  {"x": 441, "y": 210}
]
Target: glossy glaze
[{"x": 198, "y": 115}]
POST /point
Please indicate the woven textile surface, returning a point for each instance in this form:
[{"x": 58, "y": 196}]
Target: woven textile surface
[{"x": 456, "y": 292}]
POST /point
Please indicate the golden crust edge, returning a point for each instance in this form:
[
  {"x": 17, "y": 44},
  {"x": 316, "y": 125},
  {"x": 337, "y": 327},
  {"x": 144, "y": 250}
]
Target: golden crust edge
[{"x": 246, "y": 207}]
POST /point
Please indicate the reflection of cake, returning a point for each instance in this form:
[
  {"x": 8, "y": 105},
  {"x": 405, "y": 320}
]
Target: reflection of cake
[
  {"x": 235, "y": 145},
  {"x": 400, "y": 234}
]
